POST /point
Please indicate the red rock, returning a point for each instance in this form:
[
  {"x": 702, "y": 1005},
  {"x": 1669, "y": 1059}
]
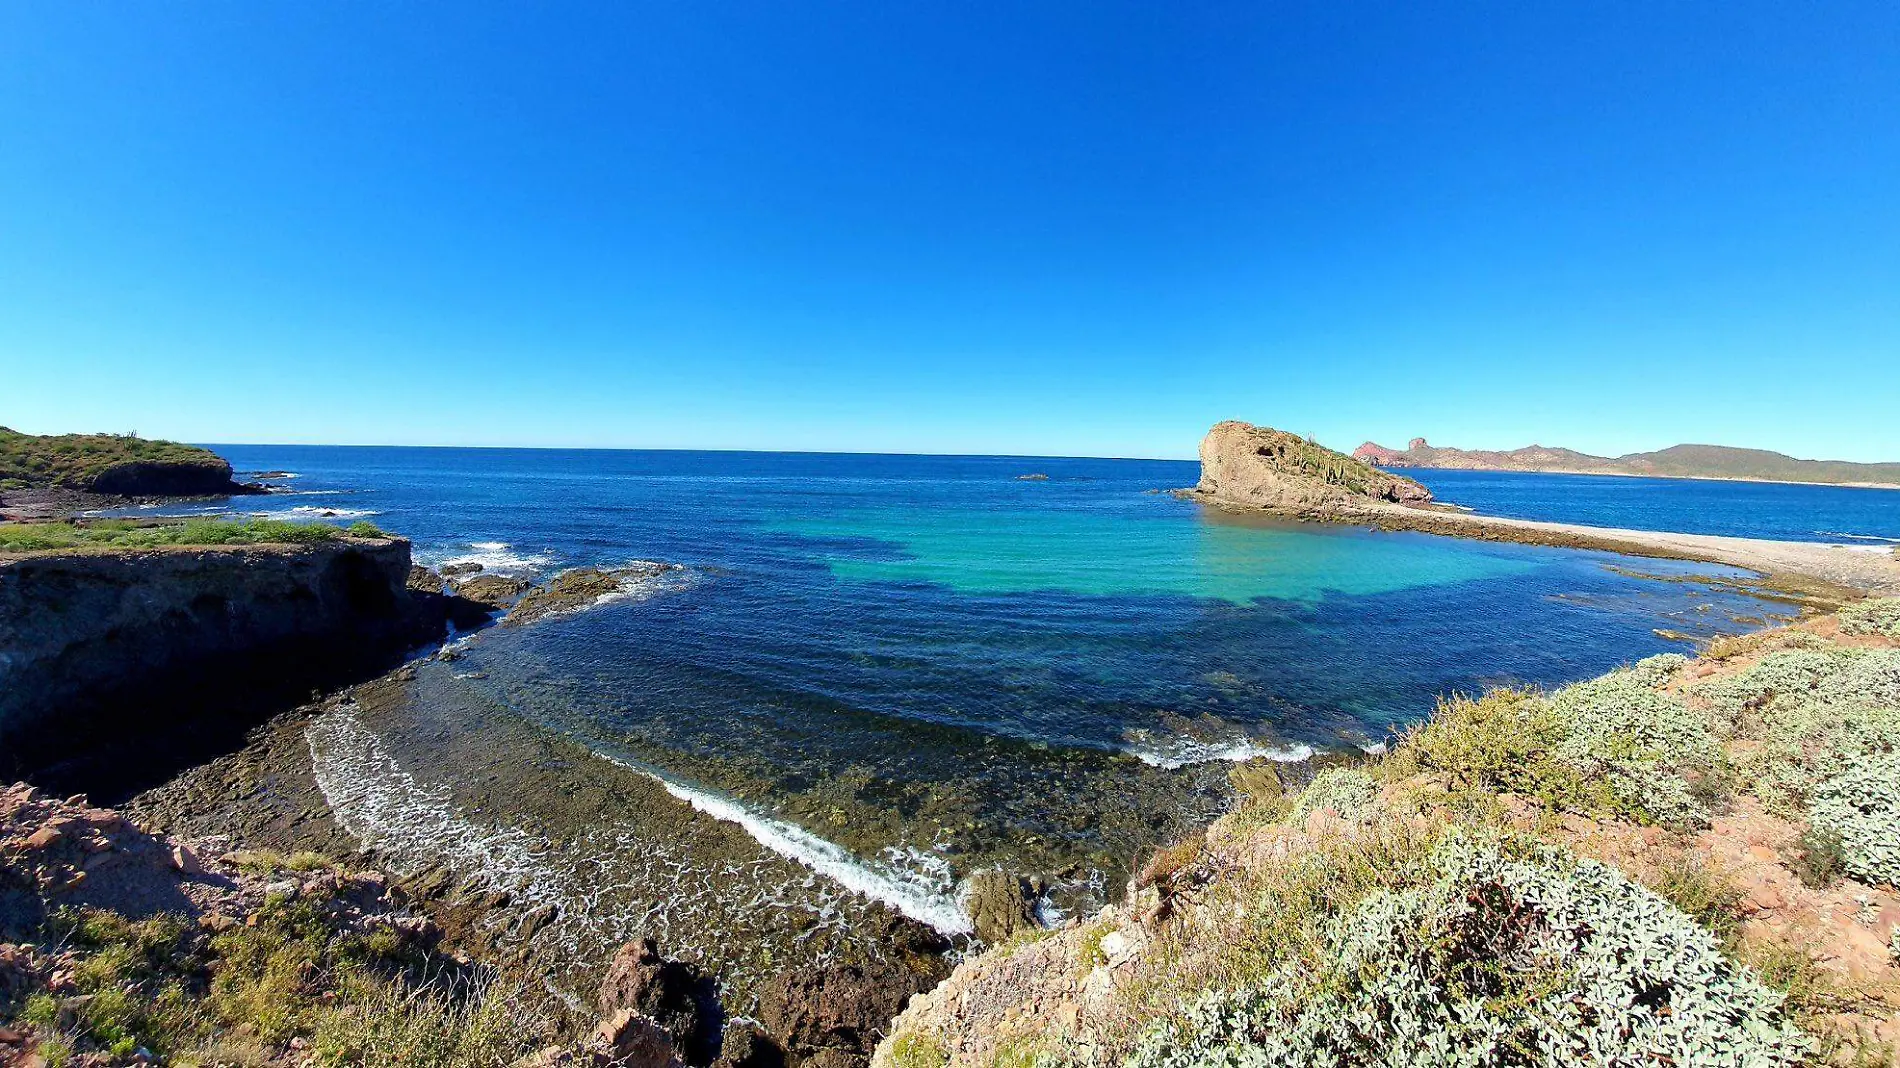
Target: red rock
[
  {"x": 43, "y": 837},
  {"x": 1764, "y": 854}
]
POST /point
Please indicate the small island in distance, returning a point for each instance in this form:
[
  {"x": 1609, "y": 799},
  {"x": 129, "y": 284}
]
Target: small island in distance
[{"x": 1677, "y": 461}]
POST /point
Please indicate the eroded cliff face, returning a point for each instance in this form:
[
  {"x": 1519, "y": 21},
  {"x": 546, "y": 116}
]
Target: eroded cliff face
[
  {"x": 1260, "y": 467},
  {"x": 98, "y": 642}
]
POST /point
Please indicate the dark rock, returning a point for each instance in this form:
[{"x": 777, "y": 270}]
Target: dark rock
[
  {"x": 836, "y": 1013},
  {"x": 465, "y": 568},
  {"x": 746, "y": 1045},
  {"x": 577, "y": 588},
  {"x": 676, "y": 995},
  {"x": 423, "y": 580},
  {"x": 495, "y": 591}
]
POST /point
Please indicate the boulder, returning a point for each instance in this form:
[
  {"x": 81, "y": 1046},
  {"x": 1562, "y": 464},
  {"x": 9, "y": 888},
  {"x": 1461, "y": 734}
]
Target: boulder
[
  {"x": 836, "y": 1013},
  {"x": 495, "y": 591},
  {"x": 998, "y": 904},
  {"x": 675, "y": 995}
]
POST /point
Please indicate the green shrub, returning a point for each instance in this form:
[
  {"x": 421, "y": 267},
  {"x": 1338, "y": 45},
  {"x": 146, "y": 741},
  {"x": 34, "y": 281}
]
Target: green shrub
[
  {"x": 1648, "y": 746},
  {"x": 1820, "y": 860},
  {"x": 1492, "y": 952},
  {"x": 1349, "y": 792},
  {"x": 35, "y": 537},
  {"x": 1806, "y": 713},
  {"x": 1862, "y": 806},
  {"x": 1704, "y": 894},
  {"x": 1503, "y": 742},
  {"x": 1880, "y": 616}
]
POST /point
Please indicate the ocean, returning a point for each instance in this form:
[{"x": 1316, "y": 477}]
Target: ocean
[{"x": 882, "y": 673}]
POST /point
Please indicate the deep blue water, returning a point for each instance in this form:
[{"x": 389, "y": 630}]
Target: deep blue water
[
  {"x": 1844, "y": 514},
  {"x": 933, "y": 653}
]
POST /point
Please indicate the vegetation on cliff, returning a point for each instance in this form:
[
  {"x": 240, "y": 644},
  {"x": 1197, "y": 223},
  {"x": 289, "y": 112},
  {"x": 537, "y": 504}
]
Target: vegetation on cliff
[
  {"x": 1677, "y": 461},
  {"x": 108, "y": 463},
  {"x": 127, "y": 534},
  {"x": 1690, "y": 862}
]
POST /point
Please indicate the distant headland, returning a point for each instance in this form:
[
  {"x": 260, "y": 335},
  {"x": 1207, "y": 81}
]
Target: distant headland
[
  {"x": 47, "y": 476},
  {"x": 1677, "y": 461}
]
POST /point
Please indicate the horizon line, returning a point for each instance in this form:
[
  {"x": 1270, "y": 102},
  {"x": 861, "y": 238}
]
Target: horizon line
[{"x": 632, "y": 448}]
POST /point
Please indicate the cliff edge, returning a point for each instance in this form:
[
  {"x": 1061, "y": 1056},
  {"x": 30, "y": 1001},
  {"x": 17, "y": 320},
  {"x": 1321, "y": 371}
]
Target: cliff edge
[
  {"x": 1260, "y": 467},
  {"x": 98, "y": 643}
]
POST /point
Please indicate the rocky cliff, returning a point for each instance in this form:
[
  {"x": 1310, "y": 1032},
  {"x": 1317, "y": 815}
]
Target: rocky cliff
[
  {"x": 102, "y": 641},
  {"x": 1261, "y": 467}
]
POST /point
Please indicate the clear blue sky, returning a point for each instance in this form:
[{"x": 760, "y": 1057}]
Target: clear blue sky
[{"x": 1089, "y": 228}]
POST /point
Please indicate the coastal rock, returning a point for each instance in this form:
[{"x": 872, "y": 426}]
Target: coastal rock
[
  {"x": 97, "y": 642},
  {"x": 423, "y": 580},
  {"x": 579, "y": 588},
  {"x": 746, "y": 1045},
  {"x": 494, "y": 591},
  {"x": 1265, "y": 468},
  {"x": 673, "y": 994},
  {"x": 835, "y": 1014},
  {"x": 998, "y": 904},
  {"x": 467, "y": 567}
]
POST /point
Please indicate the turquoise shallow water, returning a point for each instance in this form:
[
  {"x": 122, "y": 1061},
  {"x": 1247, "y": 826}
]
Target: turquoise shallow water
[
  {"x": 1059, "y": 550},
  {"x": 934, "y": 665}
]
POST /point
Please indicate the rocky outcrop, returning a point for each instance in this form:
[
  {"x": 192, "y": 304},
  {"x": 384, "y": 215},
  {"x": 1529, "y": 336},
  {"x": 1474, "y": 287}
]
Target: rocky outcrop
[
  {"x": 578, "y": 588},
  {"x": 99, "y": 643},
  {"x": 676, "y": 996},
  {"x": 1259, "y": 467}
]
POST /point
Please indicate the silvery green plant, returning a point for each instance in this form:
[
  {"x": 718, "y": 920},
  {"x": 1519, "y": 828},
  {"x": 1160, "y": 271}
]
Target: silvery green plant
[
  {"x": 1493, "y": 952},
  {"x": 1348, "y": 791},
  {"x": 1873, "y": 616},
  {"x": 1643, "y": 741},
  {"x": 1862, "y": 806},
  {"x": 1809, "y": 712}
]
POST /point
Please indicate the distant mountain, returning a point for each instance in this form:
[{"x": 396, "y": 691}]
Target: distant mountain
[{"x": 1677, "y": 461}]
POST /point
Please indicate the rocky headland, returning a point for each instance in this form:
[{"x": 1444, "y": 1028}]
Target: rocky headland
[{"x": 51, "y": 476}]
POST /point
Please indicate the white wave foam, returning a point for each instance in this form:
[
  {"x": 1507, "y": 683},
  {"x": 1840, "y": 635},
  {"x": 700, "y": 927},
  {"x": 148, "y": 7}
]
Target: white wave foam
[
  {"x": 920, "y": 889},
  {"x": 497, "y": 556},
  {"x": 1858, "y": 537},
  {"x": 1179, "y": 752},
  {"x": 309, "y": 511},
  {"x": 610, "y": 882},
  {"x": 912, "y": 892}
]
